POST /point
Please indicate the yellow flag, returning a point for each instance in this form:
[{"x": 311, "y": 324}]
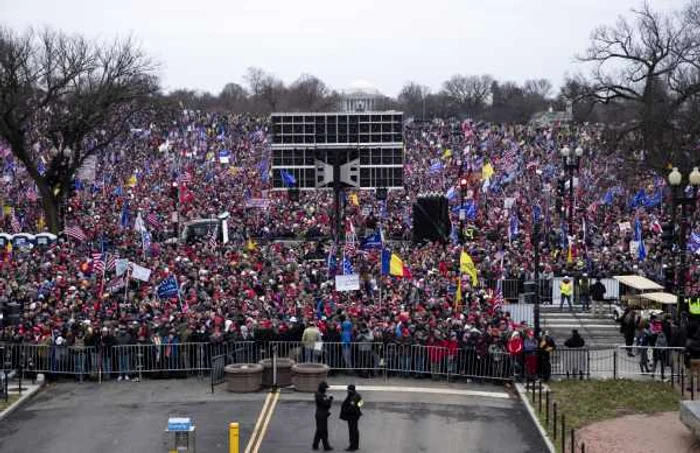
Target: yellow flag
[
  {"x": 447, "y": 154},
  {"x": 354, "y": 199},
  {"x": 7, "y": 210},
  {"x": 395, "y": 266},
  {"x": 466, "y": 266},
  {"x": 487, "y": 171},
  {"x": 458, "y": 296},
  {"x": 131, "y": 182},
  {"x": 41, "y": 223},
  {"x": 569, "y": 256},
  {"x": 251, "y": 245}
]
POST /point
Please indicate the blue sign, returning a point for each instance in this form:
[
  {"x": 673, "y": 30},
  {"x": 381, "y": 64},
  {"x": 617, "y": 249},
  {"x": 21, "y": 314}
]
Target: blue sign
[
  {"x": 168, "y": 288},
  {"x": 180, "y": 424}
]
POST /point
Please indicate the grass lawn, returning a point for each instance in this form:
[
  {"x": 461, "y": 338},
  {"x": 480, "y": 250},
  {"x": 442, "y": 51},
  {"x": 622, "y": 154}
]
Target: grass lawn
[
  {"x": 11, "y": 399},
  {"x": 586, "y": 402}
]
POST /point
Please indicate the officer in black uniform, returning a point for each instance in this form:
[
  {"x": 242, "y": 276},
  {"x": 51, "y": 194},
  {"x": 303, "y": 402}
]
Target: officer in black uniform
[
  {"x": 351, "y": 411},
  {"x": 323, "y": 406}
]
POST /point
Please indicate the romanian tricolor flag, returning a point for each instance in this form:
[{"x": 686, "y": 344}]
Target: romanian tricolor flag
[{"x": 393, "y": 265}]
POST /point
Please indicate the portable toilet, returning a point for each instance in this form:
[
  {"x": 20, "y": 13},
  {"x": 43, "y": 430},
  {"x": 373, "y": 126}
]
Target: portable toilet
[{"x": 182, "y": 432}]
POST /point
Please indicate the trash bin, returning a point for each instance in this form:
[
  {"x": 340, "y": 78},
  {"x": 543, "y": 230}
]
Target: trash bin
[
  {"x": 243, "y": 377},
  {"x": 284, "y": 372},
  {"x": 307, "y": 376}
]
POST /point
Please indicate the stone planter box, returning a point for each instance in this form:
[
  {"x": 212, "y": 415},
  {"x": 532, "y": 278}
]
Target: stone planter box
[
  {"x": 243, "y": 377},
  {"x": 307, "y": 376},
  {"x": 284, "y": 372}
]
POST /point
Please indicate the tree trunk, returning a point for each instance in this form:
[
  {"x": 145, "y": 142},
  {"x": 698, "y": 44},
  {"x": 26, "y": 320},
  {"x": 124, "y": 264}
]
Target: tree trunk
[{"x": 51, "y": 205}]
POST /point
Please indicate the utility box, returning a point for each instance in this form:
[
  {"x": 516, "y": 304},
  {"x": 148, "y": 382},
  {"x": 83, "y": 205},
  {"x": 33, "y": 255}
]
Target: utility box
[{"x": 182, "y": 435}]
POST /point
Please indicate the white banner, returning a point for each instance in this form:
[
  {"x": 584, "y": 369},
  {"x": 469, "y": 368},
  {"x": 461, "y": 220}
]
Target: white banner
[
  {"x": 121, "y": 266},
  {"x": 624, "y": 226},
  {"x": 87, "y": 171},
  {"x": 140, "y": 272},
  {"x": 508, "y": 202},
  {"x": 347, "y": 282}
]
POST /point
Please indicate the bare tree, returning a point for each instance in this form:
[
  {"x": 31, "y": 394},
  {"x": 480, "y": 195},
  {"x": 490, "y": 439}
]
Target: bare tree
[
  {"x": 309, "y": 94},
  {"x": 413, "y": 99},
  {"x": 650, "y": 64},
  {"x": 541, "y": 88},
  {"x": 76, "y": 95},
  {"x": 468, "y": 94},
  {"x": 233, "y": 97},
  {"x": 266, "y": 91}
]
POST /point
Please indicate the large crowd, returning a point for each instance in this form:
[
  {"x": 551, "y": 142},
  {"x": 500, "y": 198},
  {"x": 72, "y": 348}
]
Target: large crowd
[{"x": 257, "y": 286}]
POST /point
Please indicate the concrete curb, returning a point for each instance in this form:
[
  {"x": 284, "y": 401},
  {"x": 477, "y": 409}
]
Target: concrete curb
[
  {"x": 533, "y": 415},
  {"x": 33, "y": 390}
]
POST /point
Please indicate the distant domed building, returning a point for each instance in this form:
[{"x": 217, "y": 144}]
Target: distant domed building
[{"x": 361, "y": 96}]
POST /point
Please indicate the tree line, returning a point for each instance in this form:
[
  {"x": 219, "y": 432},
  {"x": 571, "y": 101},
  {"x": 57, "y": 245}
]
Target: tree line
[{"x": 64, "y": 98}]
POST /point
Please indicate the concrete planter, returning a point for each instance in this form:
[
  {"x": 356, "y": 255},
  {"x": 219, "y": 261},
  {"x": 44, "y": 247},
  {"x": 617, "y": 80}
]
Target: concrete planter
[
  {"x": 284, "y": 372},
  {"x": 243, "y": 377},
  {"x": 307, "y": 376}
]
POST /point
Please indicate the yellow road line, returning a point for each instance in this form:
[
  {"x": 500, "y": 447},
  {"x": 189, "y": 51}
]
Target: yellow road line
[
  {"x": 261, "y": 417},
  {"x": 270, "y": 411}
]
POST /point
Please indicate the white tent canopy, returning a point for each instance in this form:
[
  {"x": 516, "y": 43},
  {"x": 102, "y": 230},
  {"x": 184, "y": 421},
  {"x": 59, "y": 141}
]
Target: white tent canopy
[
  {"x": 638, "y": 283},
  {"x": 661, "y": 298}
]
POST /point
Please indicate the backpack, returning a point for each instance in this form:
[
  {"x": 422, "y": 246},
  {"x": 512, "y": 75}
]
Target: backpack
[{"x": 661, "y": 341}]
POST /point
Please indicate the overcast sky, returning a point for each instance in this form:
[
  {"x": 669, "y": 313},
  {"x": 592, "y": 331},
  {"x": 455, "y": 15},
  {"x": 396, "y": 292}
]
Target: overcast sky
[{"x": 205, "y": 44}]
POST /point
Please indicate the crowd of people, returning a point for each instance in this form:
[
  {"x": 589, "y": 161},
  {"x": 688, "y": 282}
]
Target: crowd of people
[{"x": 257, "y": 287}]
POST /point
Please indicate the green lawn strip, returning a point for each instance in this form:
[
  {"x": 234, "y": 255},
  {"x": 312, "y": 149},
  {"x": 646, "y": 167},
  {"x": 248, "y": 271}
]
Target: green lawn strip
[
  {"x": 11, "y": 399},
  {"x": 586, "y": 402}
]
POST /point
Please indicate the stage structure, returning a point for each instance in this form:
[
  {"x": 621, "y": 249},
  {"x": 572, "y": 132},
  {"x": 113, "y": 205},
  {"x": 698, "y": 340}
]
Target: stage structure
[{"x": 362, "y": 150}]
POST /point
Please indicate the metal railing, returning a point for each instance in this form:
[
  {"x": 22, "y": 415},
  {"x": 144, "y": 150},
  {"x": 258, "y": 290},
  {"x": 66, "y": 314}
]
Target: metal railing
[{"x": 364, "y": 358}]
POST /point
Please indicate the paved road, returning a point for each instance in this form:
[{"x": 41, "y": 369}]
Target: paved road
[{"x": 128, "y": 417}]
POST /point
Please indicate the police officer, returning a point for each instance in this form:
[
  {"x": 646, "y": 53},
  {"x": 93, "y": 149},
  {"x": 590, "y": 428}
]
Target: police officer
[
  {"x": 351, "y": 411},
  {"x": 323, "y": 406}
]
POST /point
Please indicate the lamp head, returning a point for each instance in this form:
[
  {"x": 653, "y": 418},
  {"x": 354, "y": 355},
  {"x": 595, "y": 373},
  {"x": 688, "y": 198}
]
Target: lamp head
[
  {"x": 565, "y": 151},
  {"x": 675, "y": 177},
  {"x": 694, "y": 177}
]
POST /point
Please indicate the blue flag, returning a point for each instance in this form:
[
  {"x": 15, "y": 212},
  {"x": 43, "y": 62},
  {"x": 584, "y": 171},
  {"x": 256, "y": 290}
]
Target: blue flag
[
  {"x": 609, "y": 197},
  {"x": 372, "y": 242},
  {"x": 536, "y": 213},
  {"x": 513, "y": 227},
  {"x": 694, "y": 243},
  {"x": 451, "y": 193},
  {"x": 386, "y": 259},
  {"x": 654, "y": 200},
  {"x": 437, "y": 167},
  {"x": 642, "y": 255},
  {"x": 639, "y": 199},
  {"x": 347, "y": 266},
  {"x": 288, "y": 179},
  {"x": 453, "y": 235},
  {"x": 124, "y": 222},
  {"x": 168, "y": 287}
]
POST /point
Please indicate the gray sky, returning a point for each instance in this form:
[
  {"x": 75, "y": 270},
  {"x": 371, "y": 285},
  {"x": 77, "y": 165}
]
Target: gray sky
[{"x": 205, "y": 44}]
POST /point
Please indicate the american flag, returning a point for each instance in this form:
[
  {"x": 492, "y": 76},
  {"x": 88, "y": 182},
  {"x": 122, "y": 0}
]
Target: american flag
[
  {"x": 498, "y": 297},
  {"x": 146, "y": 239},
  {"x": 98, "y": 262},
  {"x": 153, "y": 220},
  {"x": 76, "y": 233},
  {"x": 350, "y": 248},
  {"x": 111, "y": 262},
  {"x": 211, "y": 242},
  {"x": 347, "y": 266}
]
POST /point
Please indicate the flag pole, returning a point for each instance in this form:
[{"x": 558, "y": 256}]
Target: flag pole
[{"x": 126, "y": 292}]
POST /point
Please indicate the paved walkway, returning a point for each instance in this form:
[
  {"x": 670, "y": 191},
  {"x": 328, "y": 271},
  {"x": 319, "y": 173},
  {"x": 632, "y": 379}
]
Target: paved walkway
[{"x": 129, "y": 417}]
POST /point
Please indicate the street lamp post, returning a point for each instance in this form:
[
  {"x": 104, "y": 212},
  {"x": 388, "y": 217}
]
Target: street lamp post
[
  {"x": 463, "y": 185},
  {"x": 572, "y": 160},
  {"x": 687, "y": 204}
]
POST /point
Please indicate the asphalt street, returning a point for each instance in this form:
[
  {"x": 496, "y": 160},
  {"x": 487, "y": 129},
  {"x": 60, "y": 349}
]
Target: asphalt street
[{"x": 129, "y": 417}]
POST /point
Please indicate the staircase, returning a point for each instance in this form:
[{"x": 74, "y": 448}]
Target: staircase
[{"x": 598, "y": 330}]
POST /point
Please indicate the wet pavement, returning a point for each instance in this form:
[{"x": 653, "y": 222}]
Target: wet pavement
[{"x": 129, "y": 417}]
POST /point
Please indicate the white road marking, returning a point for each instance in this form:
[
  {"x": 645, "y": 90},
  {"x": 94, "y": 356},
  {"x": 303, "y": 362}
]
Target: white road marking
[{"x": 426, "y": 390}]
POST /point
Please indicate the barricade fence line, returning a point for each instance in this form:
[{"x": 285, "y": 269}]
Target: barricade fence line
[{"x": 364, "y": 358}]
